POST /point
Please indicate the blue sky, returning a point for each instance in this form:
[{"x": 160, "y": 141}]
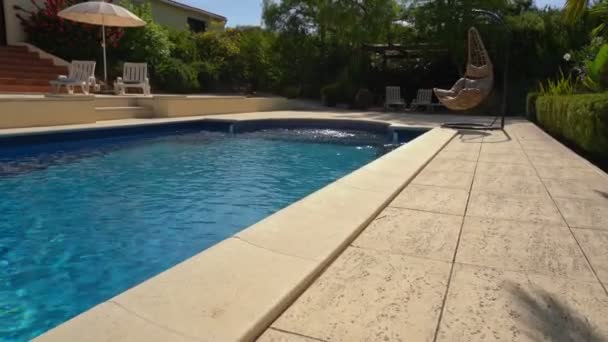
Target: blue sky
[{"x": 248, "y": 12}]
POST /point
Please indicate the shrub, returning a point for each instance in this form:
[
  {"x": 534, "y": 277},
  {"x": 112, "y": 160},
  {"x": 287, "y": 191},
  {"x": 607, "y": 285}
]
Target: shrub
[
  {"x": 183, "y": 45},
  {"x": 208, "y": 76},
  {"x": 347, "y": 93},
  {"x": 580, "y": 119},
  {"x": 563, "y": 85},
  {"x": 291, "y": 92},
  {"x": 364, "y": 99},
  {"x": 310, "y": 91},
  {"x": 598, "y": 68},
  {"x": 531, "y": 106},
  {"x": 176, "y": 76},
  {"x": 150, "y": 43},
  {"x": 330, "y": 94}
]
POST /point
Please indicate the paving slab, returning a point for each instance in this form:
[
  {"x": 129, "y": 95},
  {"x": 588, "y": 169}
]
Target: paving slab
[
  {"x": 492, "y": 305},
  {"x": 513, "y": 207},
  {"x": 451, "y": 165},
  {"x": 272, "y": 335},
  {"x": 595, "y": 245},
  {"x": 506, "y": 157},
  {"x": 433, "y": 199},
  {"x": 470, "y": 136},
  {"x": 501, "y": 147},
  {"x": 583, "y": 213},
  {"x": 544, "y": 147},
  {"x": 550, "y": 160},
  {"x": 501, "y": 169},
  {"x": 457, "y": 145},
  {"x": 471, "y": 155},
  {"x": 579, "y": 189},
  {"x": 412, "y": 232},
  {"x": 449, "y": 179},
  {"x": 552, "y": 150},
  {"x": 509, "y": 183},
  {"x": 533, "y": 135},
  {"x": 497, "y": 137},
  {"x": 371, "y": 296},
  {"x": 548, "y": 249},
  {"x": 571, "y": 173}
]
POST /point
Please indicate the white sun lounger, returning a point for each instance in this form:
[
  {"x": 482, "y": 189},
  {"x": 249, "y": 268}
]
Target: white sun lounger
[
  {"x": 424, "y": 98},
  {"x": 393, "y": 97},
  {"x": 134, "y": 75},
  {"x": 81, "y": 74}
]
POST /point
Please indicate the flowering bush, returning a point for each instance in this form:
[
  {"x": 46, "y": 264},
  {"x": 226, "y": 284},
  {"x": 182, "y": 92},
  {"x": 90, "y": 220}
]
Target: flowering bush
[{"x": 61, "y": 37}]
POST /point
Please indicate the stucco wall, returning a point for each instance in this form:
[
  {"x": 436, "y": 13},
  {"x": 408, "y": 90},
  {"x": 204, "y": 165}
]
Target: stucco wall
[
  {"x": 22, "y": 112},
  {"x": 48, "y": 111},
  {"x": 179, "y": 106},
  {"x": 177, "y": 18},
  {"x": 14, "y": 31}
]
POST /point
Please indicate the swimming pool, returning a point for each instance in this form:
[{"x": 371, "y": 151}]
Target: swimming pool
[{"x": 84, "y": 220}]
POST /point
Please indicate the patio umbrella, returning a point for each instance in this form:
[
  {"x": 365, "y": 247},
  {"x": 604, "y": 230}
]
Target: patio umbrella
[{"x": 103, "y": 14}]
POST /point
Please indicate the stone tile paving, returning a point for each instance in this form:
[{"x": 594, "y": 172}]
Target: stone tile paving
[{"x": 502, "y": 237}]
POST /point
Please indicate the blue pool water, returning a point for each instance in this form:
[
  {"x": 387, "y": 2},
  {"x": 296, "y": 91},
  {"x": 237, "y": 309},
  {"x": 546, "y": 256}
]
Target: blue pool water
[{"x": 83, "y": 221}]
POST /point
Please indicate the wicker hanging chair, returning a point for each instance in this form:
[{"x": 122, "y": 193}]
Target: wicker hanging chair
[{"x": 477, "y": 83}]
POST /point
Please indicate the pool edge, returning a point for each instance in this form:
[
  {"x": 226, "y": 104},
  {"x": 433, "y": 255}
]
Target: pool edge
[{"x": 235, "y": 289}]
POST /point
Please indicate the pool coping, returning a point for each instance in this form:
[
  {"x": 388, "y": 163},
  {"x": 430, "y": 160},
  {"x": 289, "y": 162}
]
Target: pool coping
[
  {"x": 235, "y": 289},
  {"x": 131, "y": 123}
]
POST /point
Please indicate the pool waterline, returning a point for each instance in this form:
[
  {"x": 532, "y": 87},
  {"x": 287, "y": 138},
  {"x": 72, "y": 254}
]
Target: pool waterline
[{"x": 178, "y": 214}]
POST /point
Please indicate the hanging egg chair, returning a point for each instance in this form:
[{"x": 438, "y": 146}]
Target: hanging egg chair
[{"x": 470, "y": 91}]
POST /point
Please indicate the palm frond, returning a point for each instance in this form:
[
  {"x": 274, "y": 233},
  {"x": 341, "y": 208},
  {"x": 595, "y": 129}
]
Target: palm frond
[{"x": 575, "y": 9}]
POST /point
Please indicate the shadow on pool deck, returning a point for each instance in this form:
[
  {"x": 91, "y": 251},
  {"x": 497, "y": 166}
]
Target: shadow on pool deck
[
  {"x": 602, "y": 193},
  {"x": 549, "y": 319}
]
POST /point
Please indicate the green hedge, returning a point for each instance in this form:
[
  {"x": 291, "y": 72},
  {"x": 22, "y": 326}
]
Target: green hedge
[
  {"x": 580, "y": 119},
  {"x": 531, "y": 106}
]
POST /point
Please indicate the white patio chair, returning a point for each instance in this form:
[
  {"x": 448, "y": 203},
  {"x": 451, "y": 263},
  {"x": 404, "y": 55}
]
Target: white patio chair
[
  {"x": 424, "y": 98},
  {"x": 81, "y": 74},
  {"x": 134, "y": 75},
  {"x": 393, "y": 97}
]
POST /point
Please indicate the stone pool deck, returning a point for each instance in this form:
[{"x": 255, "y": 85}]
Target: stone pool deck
[{"x": 501, "y": 236}]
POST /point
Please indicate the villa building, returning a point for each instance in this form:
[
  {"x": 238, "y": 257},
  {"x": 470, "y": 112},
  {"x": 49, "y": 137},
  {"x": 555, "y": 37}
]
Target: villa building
[{"x": 169, "y": 13}]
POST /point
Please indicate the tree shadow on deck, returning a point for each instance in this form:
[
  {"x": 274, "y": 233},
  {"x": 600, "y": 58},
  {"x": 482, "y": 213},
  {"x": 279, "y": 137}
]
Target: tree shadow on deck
[
  {"x": 602, "y": 193},
  {"x": 544, "y": 317}
]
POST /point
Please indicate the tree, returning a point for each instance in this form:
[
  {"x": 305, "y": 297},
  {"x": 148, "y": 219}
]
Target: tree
[
  {"x": 575, "y": 9},
  {"x": 322, "y": 41}
]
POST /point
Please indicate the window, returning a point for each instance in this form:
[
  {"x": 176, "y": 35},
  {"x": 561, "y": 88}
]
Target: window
[{"x": 197, "y": 25}]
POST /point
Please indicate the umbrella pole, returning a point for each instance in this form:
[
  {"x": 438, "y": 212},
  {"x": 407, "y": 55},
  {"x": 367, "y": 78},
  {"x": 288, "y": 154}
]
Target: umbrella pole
[{"x": 105, "y": 67}]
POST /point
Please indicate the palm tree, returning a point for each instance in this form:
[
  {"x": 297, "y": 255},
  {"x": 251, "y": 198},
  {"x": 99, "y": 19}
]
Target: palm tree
[{"x": 575, "y": 9}]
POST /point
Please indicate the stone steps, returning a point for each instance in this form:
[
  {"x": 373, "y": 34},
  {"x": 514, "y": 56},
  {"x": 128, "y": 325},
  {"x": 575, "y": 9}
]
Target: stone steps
[
  {"x": 22, "y": 71},
  {"x": 24, "y": 88},
  {"x": 23, "y": 81}
]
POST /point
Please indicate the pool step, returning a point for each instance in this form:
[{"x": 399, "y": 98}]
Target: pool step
[
  {"x": 115, "y": 101},
  {"x": 126, "y": 112}
]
